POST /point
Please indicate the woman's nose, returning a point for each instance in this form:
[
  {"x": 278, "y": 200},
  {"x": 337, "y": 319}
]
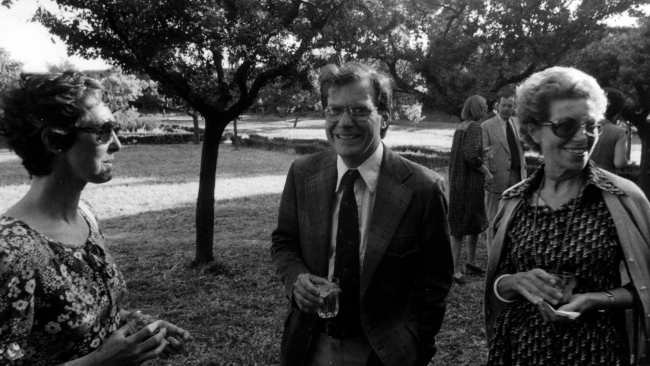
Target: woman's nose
[{"x": 115, "y": 144}]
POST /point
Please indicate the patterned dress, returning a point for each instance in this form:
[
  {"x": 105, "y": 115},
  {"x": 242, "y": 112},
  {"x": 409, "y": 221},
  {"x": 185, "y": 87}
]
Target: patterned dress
[
  {"x": 591, "y": 251},
  {"x": 57, "y": 303},
  {"x": 466, "y": 184}
]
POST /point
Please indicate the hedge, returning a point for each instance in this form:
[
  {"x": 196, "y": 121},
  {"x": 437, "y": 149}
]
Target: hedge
[{"x": 159, "y": 139}]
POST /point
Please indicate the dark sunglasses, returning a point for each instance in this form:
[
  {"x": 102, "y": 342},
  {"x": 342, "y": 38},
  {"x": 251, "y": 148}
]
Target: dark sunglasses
[
  {"x": 567, "y": 127},
  {"x": 357, "y": 113},
  {"x": 103, "y": 132}
]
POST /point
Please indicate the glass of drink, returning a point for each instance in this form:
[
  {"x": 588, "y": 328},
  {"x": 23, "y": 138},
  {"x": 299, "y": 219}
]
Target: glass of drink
[
  {"x": 139, "y": 319},
  {"x": 564, "y": 283},
  {"x": 329, "y": 291}
]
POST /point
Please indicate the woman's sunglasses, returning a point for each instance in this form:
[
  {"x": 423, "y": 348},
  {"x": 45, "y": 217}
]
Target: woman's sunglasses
[
  {"x": 103, "y": 132},
  {"x": 567, "y": 127}
]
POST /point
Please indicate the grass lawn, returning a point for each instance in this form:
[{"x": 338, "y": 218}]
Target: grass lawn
[{"x": 234, "y": 307}]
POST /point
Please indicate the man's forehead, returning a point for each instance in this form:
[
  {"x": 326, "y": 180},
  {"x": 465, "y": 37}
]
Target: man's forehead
[
  {"x": 358, "y": 89},
  {"x": 507, "y": 100}
]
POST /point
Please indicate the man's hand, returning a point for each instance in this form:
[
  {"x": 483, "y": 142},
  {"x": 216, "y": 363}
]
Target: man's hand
[{"x": 306, "y": 294}]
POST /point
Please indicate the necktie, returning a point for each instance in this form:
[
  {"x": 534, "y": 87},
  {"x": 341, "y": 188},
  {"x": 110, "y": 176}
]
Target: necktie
[
  {"x": 514, "y": 148},
  {"x": 346, "y": 265}
]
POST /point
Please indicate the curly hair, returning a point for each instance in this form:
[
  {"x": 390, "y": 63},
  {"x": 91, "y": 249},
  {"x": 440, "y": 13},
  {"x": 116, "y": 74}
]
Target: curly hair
[
  {"x": 352, "y": 72},
  {"x": 46, "y": 106},
  {"x": 535, "y": 95},
  {"x": 474, "y": 109}
]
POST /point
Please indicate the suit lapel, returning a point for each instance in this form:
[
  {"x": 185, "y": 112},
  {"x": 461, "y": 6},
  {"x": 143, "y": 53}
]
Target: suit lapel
[
  {"x": 392, "y": 199},
  {"x": 500, "y": 133},
  {"x": 319, "y": 189}
]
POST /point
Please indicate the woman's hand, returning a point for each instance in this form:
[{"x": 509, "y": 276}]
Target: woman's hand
[
  {"x": 177, "y": 337},
  {"x": 535, "y": 285},
  {"x": 122, "y": 349},
  {"x": 579, "y": 303}
]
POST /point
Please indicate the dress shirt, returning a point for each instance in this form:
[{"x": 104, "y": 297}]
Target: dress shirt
[
  {"x": 512, "y": 124},
  {"x": 364, "y": 191}
]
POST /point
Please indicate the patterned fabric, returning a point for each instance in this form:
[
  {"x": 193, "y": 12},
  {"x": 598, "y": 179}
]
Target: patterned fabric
[
  {"x": 466, "y": 193},
  {"x": 57, "y": 303},
  {"x": 591, "y": 251}
]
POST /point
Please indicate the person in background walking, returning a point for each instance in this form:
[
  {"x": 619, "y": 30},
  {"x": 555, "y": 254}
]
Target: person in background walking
[
  {"x": 468, "y": 176},
  {"x": 610, "y": 150}
]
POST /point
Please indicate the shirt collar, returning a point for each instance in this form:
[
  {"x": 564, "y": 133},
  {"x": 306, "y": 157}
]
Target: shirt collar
[
  {"x": 369, "y": 170},
  {"x": 504, "y": 121},
  {"x": 595, "y": 177}
]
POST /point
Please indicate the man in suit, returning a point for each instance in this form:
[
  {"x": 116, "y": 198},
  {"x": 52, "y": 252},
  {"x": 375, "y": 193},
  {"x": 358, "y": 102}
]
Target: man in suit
[
  {"x": 506, "y": 160},
  {"x": 373, "y": 219}
]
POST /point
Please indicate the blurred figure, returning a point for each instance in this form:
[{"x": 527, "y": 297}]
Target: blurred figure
[
  {"x": 610, "y": 150},
  {"x": 61, "y": 291},
  {"x": 554, "y": 292},
  {"x": 468, "y": 176},
  {"x": 506, "y": 163}
]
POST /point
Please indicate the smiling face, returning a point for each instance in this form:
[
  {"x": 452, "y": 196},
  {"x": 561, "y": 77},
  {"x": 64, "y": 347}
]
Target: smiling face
[
  {"x": 354, "y": 141},
  {"x": 562, "y": 155},
  {"x": 90, "y": 160}
]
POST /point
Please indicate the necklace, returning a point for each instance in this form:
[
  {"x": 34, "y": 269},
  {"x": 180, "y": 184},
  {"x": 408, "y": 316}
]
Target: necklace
[
  {"x": 568, "y": 225},
  {"x": 560, "y": 178}
]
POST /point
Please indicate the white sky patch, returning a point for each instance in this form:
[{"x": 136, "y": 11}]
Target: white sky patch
[{"x": 31, "y": 43}]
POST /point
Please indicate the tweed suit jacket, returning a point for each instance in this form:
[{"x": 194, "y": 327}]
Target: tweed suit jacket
[
  {"x": 499, "y": 163},
  {"x": 407, "y": 269}
]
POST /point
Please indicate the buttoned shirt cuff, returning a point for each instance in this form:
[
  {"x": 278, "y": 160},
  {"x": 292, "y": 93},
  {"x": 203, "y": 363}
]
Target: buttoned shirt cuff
[{"x": 496, "y": 292}]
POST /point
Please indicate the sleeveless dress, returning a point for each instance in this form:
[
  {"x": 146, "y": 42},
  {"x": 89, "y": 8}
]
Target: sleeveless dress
[
  {"x": 57, "y": 302},
  {"x": 467, "y": 214},
  {"x": 588, "y": 247}
]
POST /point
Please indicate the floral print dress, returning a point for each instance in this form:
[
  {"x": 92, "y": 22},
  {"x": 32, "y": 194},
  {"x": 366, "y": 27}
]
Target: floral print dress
[{"x": 57, "y": 302}]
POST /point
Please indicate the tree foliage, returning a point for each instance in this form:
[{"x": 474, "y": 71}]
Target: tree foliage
[
  {"x": 9, "y": 69},
  {"x": 122, "y": 89},
  {"x": 60, "y": 66},
  {"x": 448, "y": 50}
]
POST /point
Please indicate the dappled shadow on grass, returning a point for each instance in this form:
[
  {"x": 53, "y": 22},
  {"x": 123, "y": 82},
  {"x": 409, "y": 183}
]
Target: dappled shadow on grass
[{"x": 233, "y": 307}]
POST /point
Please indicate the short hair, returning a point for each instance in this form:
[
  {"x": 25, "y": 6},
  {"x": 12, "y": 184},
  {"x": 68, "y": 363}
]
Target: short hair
[
  {"x": 474, "y": 108},
  {"x": 351, "y": 72},
  {"x": 46, "y": 105},
  {"x": 535, "y": 95},
  {"x": 615, "y": 103}
]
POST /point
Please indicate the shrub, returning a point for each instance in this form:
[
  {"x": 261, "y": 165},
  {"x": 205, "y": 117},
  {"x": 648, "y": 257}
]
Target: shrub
[{"x": 413, "y": 112}]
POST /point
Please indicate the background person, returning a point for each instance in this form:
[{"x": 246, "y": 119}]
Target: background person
[
  {"x": 506, "y": 163},
  {"x": 60, "y": 290},
  {"x": 610, "y": 151},
  {"x": 468, "y": 176},
  {"x": 570, "y": 216},
  {"x": 374, "y": 220}
]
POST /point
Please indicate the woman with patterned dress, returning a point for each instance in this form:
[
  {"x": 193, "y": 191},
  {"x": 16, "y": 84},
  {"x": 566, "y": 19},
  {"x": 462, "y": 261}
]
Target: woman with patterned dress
[
  {"x": 60, "y": 290},
  {"x": 467, "y": 178},
  {"x": 568, "y": 216}
]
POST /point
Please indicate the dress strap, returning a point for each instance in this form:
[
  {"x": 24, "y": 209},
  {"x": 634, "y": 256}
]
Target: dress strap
[{"x": 86, "y": 210}]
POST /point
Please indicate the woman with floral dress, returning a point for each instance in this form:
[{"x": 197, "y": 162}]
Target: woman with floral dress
[
  {"x": 468, "y": 176},
  {"x": 60, "y": 290},
  {"x": 573, "y": 217}
]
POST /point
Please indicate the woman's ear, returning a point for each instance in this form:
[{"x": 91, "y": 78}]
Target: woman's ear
[{"x": 51, "y": 141}]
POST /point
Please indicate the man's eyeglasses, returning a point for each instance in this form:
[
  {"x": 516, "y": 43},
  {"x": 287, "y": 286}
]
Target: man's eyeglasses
[
  {"x": 567, "y": 127},
  {"x": 103, "y": 132},
  {"x": 357, "y": 113}
]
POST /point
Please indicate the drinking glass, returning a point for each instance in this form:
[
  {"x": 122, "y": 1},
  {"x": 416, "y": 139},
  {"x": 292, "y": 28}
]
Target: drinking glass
[
  {"x": 139, "y": 319},
  {"x": 564, "y": 283},
  {"x": 329, "y": 291}
]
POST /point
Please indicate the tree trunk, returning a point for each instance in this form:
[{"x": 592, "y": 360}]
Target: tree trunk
[
  {"x": 205, "y": 201},
  {"x": 236, "y": 137},
  {"x": 295, "y": 123},
  {"x": 195, "y": 120}
]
